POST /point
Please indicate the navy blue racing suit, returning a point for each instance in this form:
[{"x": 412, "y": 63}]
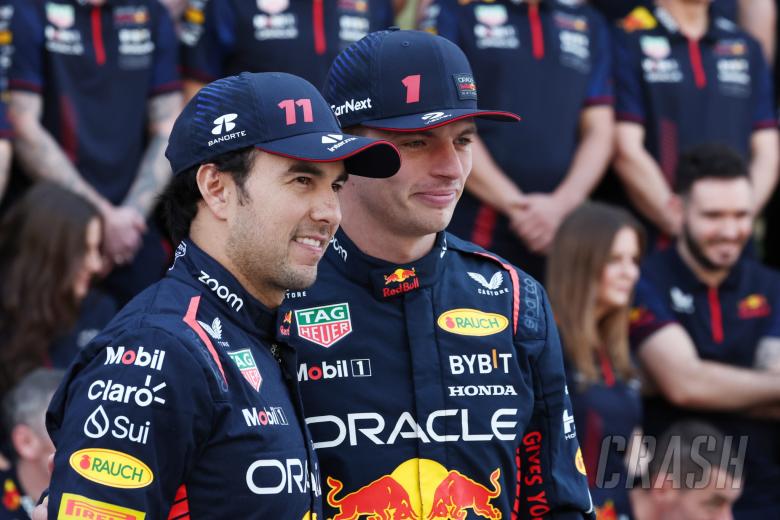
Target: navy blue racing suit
[
  {"x": 185, "y": 405},
  {"x": 435, "y": 389}
]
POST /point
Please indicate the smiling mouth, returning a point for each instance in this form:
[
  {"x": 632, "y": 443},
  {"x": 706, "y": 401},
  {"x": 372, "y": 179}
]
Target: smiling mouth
[{"x": 313, "y": 242}]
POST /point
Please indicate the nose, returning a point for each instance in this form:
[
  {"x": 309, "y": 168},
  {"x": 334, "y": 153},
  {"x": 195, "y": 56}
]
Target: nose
[
  {"x": 631, "y": 270},
  {"x": 327, "y": 210},
  {"x": 729, "y": 229},
  {"x": 447, "y": 162}
]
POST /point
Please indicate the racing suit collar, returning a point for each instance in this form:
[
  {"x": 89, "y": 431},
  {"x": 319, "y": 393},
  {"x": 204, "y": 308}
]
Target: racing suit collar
[
  {"x": 196, "y": 268},
  {"x": 387, "y": 279}
]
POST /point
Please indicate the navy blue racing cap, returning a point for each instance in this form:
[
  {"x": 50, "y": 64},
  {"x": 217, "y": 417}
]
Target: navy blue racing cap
[
  {"x": 278, "y": 113},
  {"x": 404, "y": 81}
]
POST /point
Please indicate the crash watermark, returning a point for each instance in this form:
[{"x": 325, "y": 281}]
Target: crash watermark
[{"x": 693, "y": 463}]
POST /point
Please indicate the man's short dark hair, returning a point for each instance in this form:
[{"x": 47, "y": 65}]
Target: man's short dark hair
[
  {"x": 693, "y": 444},
  {"x": 179, "y": 201},
  {"x": 709, "y": 161}
]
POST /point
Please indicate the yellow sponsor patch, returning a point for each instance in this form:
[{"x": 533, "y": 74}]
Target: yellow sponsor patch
[
  {"x": 111, "y": 468},
  {"x": 579, "y": 462},
  {"x": 195, "y": 16},
  {"x": 77, "y": 507},
  {"x": 471, "y": 322},
  {"x": 638, "y": 20}
]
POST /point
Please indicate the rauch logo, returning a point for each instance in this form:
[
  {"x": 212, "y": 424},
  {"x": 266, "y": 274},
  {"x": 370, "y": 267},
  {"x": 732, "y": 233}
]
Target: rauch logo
[
  {"x": 111, "y": 468},
  {"x": 471, "y": 322}
]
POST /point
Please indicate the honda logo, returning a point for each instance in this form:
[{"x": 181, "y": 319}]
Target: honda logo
[{"x": 224, "y": 124}]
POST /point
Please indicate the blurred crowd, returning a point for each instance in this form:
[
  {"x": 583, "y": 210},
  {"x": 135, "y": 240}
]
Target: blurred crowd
[{"x": 640, "y": 188}]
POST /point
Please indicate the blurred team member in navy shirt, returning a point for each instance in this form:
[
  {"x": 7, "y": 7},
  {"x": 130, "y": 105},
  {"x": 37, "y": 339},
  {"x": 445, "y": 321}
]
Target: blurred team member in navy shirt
[
  {"x": 757, "y": 17},
  {"x": 593, "y": 266},
  {"x": 94, "y": 93},
  {"x": 685, "y": 76},
  {"x": 301, "y": 37},
  {"x": 23, "y": 414},
  {"x": 550, "y": 62},
  {"x": 50, "y": 252},
  {"x": 706, "y": 316}
]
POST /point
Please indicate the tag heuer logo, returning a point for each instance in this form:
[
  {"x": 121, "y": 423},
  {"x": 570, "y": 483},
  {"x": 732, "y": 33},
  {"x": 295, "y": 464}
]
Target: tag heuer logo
[
  {"x": 324, "y": 325},
  {"x": 246, "y": 364}
]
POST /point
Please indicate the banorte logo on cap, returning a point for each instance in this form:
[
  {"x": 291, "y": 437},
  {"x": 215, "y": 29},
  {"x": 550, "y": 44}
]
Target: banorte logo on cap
[
  {"x": 225, "y": 123},
  {"x": 418, "y": 489},
  {"x": 222, "y": 124}
]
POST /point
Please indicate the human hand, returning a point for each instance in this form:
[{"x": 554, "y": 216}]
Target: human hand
[
  {"x": 123, "y": 230},
  {"x": 536, "y": 221}
]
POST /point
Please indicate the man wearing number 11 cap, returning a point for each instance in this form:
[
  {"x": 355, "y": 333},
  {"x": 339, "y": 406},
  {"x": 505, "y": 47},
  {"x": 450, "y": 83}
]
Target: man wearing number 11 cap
[{"x": 186, "y": 405}]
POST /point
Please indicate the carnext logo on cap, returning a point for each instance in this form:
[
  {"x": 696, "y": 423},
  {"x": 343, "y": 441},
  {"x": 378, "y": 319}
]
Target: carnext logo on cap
[
  {"x": 465, "y": 86},
  {"x": 224, "y": 123},
  {"x": 351, "y": 106}
]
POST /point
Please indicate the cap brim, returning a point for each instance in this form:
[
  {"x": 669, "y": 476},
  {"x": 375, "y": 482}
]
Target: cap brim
[
  {"x": 362, "y": 156},
  {"x": 434, "y": 119}
]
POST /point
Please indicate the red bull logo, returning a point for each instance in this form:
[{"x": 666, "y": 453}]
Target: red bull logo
[
  {"x": 418, "y": 489},
  {"x": 379, "y": 499},
  {"x": 639, "y": 19},
  {"x": 754, "y": 306},
  {"x": 399, "y": 275},
  {"x": 284, "y": 328},
  {"x": 457, "y": 493}
]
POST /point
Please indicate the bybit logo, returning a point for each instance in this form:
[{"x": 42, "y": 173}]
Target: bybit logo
[{"x": 224, "y": 124}]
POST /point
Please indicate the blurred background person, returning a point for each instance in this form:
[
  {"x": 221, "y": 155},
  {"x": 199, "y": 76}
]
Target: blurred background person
[
  {"x": 550, "y": 62},
  {"x": 50, "y": 254},
  {"x": 24, "y": 412},
  {"x": 225, "y": 37},
  {"x": 592, "y": 270},
  {"x": 703, "y": 310},
  {"x": 693, "y": 475},
  {"x": 757, "y": 17},
  {"x": 683, "y": 76},
  {"x": 94, "y": 93}
]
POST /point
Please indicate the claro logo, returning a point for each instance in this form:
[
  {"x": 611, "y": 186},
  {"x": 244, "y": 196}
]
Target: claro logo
[{"x": 223, "y": 292}]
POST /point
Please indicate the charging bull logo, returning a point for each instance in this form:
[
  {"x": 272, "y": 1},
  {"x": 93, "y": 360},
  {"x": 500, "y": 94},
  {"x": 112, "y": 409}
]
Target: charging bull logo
[
  {"x": 398, "y": 280},
  {"x": 376, "y": 500},
  {"x": 399, "y": 275},
  {"x": 418, "y": 489},
  {"x": 457, "y": 493}
]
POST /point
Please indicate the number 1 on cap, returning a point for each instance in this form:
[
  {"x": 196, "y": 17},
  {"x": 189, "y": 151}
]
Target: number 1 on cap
[
  {"x": 412, "y": 84},
  {"x": 288, "y": 105}
]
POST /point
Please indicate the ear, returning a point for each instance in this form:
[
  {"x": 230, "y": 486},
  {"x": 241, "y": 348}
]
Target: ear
[
  {"x": 217, "y": 189},
  {"x": 25, "y": 442}
]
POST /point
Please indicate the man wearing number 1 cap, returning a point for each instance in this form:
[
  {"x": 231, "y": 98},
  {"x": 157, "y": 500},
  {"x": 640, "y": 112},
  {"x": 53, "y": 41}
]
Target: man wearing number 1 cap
[
  {"x": 186, "y": 405},
  {"x": 430, "y": 369}
]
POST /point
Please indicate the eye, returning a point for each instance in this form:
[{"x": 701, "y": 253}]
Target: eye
[
  {"x": 464, "y": 140},
  {"x": 337, "y": 186},
  {"x": 414, "y": 144},
  {"x": 306, "y": 181}
]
